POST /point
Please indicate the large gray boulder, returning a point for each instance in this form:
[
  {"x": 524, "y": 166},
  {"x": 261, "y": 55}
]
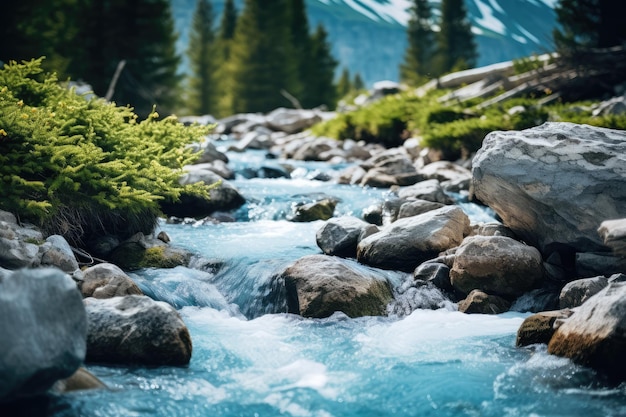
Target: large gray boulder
[
  {"x": 408, "y": 242},
  {"x": 497, "y": 265},
  {"x": 595, "y": 335},
  {"x": 43, "y": 327},
  {"x": 136, "y": 329},
  {"x": 554, "y": 184},
  {"x": 320, "y": 285}
]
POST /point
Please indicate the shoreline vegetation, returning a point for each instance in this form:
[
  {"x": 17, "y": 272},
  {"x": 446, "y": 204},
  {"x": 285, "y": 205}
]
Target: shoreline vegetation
[{"x": 81, "y": 167}]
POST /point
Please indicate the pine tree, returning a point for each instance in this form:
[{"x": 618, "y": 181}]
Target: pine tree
[
  {"x": 319, "y": 88},
  {"x": 418, "y": 58},
  {"x": 223, "y": 74},
  {"x": 261, "y": 57},
  {"x": 202, "y": 94},
  {"x": 357, "y": 83},
  {"x": 302, "y": 49},
  {"x": 228, "y": 23},
  {"x": 344, "y": 85},
  {"x": 35, "y": 28},
  {"x": 140, "y": 32},
  {"x": 456, "y": 49},
  {"x": 589, "y": 24}
]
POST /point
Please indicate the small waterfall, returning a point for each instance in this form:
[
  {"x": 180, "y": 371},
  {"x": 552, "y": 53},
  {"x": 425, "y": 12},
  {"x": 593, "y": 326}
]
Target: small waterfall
[{"x": 411, "y": 295}]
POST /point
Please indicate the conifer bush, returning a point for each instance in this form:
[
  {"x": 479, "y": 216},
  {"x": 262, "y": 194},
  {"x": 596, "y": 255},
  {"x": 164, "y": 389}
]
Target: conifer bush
[{"x": 80, "y": 166}]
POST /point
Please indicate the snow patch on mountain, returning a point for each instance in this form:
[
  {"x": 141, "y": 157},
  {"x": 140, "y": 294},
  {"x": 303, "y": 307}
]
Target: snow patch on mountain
[{"x": 487, "y": 19}]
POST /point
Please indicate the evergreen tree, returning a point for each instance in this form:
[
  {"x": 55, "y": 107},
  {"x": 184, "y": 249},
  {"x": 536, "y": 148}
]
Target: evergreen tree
[
  {"x": 202, "y": 95},
  {"x": 223, "y": 74},
  {"x": 140, "y": 32},
  {"x": 344, "y": 85},
  {"x": 418, "y": 58},
  {"x": 261, "y": 58},
  {"x": 456, "y": 49},
  {"x": 35, "y": 28},
  {"x": 319, "y": 88},
  {"x": 302, "y": 49},
  {"x": 589, "y": 24},
  {"x": 228, "y": 22},
  {"x": 357, "y": 83}
]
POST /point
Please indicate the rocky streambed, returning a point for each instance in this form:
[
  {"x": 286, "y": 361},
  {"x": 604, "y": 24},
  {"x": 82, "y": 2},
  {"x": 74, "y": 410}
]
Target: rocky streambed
[{"x": 312, "y": 246}]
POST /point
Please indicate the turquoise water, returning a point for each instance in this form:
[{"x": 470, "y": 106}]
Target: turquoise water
[{"x": 251, "y": 359}]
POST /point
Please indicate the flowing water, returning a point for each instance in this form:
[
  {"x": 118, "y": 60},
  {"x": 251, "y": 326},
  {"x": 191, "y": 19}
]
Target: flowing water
[{"x": 251, "y": 359}]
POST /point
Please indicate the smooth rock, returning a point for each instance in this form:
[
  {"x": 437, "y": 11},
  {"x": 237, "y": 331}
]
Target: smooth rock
[
  {"x": 426, "y": 190},
  {"x": 223, "y": 196},
  {"x": 435, "y": 272},
  {"x": 497, "y": 265},
  {"x": 56, "y": 252},
  {"x": 317, "y": 210},
  {"x": 416, "y": 207},
  {"x": 577, "y": 292},
  {"x": 43, "y": 330},
  {"x": 320, "y": 285},
  {"x": 292, "y": 120},
  {"x": 479, "y": 302},
  {"x": 80, "y": 380},
  {"x": 136, "y": 330},
  {"x": 445, "y": 171},
  {"x": 107, "y": 281},
  {"x": 340, "y": 236},
  {"x": 539, "y": 327},
  {"x": 408, "y": 242}
]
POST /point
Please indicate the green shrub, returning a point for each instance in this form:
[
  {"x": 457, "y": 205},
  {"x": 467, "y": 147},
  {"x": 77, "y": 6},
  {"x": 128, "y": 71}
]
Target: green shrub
[
  {"x": 386, "y": 121},
  {"x": 444, "y": 115},
  {"x": 78, "y": 166},
  {"x": 461, "y": 137}
]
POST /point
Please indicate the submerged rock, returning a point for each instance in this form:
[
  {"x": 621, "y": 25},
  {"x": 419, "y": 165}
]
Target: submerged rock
[
  {"x": 43, "y": 330},
  {"x": 479, "y": 302},
  {"x": 80, "y": 380},
  {"x": 320, "y": 285},
  {"x": 317, "y": 210},
  {"x": 554, "y": 184},
  {"x": 539, "y": 327},
  {"x": 136, "y": 329}
]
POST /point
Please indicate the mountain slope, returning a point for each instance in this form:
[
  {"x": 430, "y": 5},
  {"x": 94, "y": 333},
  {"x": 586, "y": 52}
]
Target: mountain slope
[{"x": 369, "y": 36}]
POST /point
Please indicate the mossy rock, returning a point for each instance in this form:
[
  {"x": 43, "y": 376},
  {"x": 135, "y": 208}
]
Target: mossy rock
[
  {"x": 318, "y": 210},
  {"x": 132, "y": 255}
]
